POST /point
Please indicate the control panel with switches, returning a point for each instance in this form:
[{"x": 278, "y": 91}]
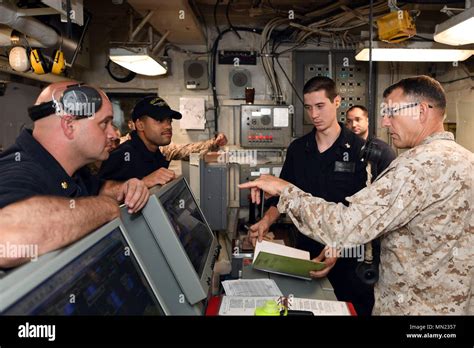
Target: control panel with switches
[{"x": 265, "y": 126}]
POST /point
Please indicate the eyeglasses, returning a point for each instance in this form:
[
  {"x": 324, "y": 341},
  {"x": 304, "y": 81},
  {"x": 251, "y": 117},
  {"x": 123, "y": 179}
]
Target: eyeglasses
[{"x": 390, "y": 112}]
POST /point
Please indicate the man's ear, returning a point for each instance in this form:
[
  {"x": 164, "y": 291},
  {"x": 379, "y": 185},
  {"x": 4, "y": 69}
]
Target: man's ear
[
  {"x": 424, "y": 109},
  {"x": 337, "y": 101},
  {"x": 139, "y": 125},
  {"x": 68, "y": 127}
]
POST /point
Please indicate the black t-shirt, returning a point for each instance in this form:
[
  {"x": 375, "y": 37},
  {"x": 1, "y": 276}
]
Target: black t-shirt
[
  {"x": 132, "y": 159},
  {"x": 336, "y": 173},
  {"x": 333, "y": 175},
  {"x": 27, "y": 169}
]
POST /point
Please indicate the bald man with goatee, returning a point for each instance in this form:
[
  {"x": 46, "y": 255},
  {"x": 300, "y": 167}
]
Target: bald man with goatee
[{"x": 48, "y": 197}]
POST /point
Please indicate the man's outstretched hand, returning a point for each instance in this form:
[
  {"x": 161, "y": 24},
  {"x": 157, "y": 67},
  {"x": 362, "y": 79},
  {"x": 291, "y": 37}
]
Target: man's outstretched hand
[{"x": 271, "y": 185}]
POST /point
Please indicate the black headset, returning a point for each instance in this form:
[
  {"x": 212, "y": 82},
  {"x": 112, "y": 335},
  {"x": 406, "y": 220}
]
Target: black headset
[
  {"x": 370, "y": 152},
  {"x": 368, "y": 269},
  {"x": 78, "y": 100}
]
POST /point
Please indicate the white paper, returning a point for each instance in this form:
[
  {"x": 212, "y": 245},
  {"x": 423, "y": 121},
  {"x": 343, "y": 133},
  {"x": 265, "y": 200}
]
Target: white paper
[
  {"x": 280, "y": 117},
  {"x": 251, "y": 287},
  {"x": 240, "y": 305},
  {"x": 264, "y": 170},
  {"x": 278, "y": 249},
  {"x": 194, "y": 113},
  {"x": 318, "y": 307},
  {"x": 266, "y": 111},
  {"x": 276, "y": 171}
]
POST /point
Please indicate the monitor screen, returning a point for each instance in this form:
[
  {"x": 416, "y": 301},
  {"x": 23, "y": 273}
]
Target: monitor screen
[
  {"x": 105, "y": 279},
  {"x": 188, "y": 223}
]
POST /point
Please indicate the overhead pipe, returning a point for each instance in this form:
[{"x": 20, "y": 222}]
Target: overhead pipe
[
  {"x": 160, "y": 43},
  {"x": 141, "y": 25},
  {"x": 29, "y": 26},
  {"x": 6, "y": 39}
]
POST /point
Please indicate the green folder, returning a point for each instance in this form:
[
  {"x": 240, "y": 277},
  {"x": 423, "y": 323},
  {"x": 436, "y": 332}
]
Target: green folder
[{"x": 285, "y": 265}]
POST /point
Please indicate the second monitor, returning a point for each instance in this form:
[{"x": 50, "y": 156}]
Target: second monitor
[{"x": 184, "y": 237}]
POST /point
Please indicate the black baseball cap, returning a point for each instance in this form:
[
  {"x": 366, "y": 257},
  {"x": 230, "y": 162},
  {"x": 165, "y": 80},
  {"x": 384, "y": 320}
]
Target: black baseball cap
[{"x": 154, "y": 107}]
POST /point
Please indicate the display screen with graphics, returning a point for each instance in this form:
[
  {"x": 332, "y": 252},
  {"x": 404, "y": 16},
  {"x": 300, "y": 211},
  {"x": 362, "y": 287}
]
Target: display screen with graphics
[
  {"x": 105, "y": 279},
  {"x": 188, "y": 223}
]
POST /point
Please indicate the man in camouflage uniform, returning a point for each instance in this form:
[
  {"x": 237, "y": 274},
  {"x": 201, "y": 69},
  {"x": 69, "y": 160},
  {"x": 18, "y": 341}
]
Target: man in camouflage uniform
[
  {"x": 420, "y": 206},
  {"x": 149, "y": 151}
]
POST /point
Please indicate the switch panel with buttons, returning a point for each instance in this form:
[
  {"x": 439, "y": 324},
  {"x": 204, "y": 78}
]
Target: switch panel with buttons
[{"x": 265, "y": 126}]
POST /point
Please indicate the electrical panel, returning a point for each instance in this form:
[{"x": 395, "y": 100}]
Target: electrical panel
[
  {"x": 265, "y": 126},
  {"x": 249, "y": 173},
  {"x": 210, "y": 185},
  {"x": 312, "y": 70},
  {"x": 351, "y": 82},
  {"x": 350, "y": 76}
]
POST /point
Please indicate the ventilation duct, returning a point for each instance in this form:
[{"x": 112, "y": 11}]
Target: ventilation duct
[{"x": 29, "y": 26}]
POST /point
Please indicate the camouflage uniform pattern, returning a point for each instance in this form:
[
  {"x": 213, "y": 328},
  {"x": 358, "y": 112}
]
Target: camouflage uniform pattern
[
  {"x": 421, "y": 206},
  {"x": 182, "y": 151}
]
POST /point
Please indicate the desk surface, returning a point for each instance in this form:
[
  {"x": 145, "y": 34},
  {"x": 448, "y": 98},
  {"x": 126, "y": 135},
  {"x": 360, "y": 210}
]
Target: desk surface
[{"x": 319, "y": 289}]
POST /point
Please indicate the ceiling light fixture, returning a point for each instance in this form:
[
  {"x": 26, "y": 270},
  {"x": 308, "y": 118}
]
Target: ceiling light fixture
[
  {"x": 457, "y": 30},
  {"x": 413, "y": 52},
  {"x": 138, "y": 59},
  {"x": 141, "y": 58}
]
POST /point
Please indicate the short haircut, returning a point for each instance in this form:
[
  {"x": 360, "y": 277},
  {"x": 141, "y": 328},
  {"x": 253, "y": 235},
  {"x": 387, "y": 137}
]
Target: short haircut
[
  {"x": 321, "y": 83},
  {"x": 421, "y": 86},
  {"x": 363, "y": 108}
]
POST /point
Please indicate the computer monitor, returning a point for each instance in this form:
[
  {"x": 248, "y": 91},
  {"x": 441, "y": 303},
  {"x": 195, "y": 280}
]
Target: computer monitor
[
  {"x": 99, "y": 275},
  {"x": 184, "y": 237},
  {"x": 188, "y": 223},
  {"x": 143, "y": 238}
]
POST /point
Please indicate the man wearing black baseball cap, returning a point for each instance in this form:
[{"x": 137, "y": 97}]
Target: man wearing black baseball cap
[{"x": 149, "y": 151}]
